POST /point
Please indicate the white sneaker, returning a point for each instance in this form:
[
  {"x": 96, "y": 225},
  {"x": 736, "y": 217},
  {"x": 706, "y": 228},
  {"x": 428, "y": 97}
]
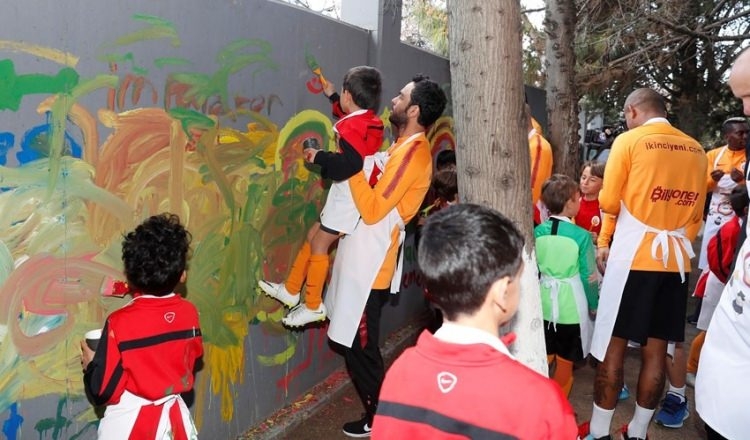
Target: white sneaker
[
  {"x": 301, "y": 316},
  {"x": 279, "y": 292}
]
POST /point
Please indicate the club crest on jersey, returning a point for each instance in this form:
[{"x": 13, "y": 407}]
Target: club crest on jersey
[
  {"x": 169, "y": 317},
  {"x": 446, "y": 381}
]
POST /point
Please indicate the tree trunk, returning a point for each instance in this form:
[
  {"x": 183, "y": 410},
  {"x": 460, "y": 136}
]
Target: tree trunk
[
  {"x": 562, "y": 100},
  {"x": 491, "y": 138}
]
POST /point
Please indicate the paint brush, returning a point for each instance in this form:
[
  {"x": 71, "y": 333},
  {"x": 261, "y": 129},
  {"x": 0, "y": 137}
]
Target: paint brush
[{"x": 312, "y": 63}]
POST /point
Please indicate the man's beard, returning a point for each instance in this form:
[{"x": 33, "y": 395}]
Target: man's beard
[{"x": 397, "y": 120}]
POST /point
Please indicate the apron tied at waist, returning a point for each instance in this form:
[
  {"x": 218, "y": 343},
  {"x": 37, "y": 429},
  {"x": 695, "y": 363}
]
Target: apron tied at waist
[
  {"x": 553, "y": 284},
  {"x": 662, "y": 239},
  {"x": 147, "y": 421}
]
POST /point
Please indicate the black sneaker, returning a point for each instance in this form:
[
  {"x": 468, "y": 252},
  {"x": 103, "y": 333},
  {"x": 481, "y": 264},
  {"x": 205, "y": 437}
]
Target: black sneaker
[{"x": 359, "y": 428}]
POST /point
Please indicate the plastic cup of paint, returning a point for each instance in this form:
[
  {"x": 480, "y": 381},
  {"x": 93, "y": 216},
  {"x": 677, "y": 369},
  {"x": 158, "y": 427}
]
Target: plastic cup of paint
[{"x": 92, "y": 338}]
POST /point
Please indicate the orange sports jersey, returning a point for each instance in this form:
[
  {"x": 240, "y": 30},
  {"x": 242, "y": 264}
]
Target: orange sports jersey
[
  {"x": 608, "y": 229},
  {"x": 541, "y": 163},
  {"x": 403, "y": 185},
  {"x": 658, "y": 172},
  {"x": 729, "y": 159}
]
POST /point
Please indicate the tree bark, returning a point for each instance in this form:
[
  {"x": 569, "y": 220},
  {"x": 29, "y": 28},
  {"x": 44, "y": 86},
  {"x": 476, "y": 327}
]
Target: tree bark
[
  {"x": 562, "y": 100},
  {"x": 492, "y": 138}
]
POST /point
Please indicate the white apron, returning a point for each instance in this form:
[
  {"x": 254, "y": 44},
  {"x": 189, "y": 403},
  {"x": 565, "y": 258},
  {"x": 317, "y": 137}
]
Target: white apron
[
  {"x": 722, "y": 386},
  {"x": 119, "y": 419},
  {"x": 584, "y": 320},
  {"x": 719, "y": 211},
  {"x": 339, "y": 211},
  {"x": 358, "y": 259},
  {"x": 711, "y": 297},
  {"x": 630, "y": 234}
]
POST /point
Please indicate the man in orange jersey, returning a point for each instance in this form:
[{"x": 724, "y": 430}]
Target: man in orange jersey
[
  {"x": 721, "y": 385},
  {"x": 367, "y": 267},
  {"x": 725, "y": 171},
  {"x": 541, "y": 163},
  {"x": 655, "y": 185}
]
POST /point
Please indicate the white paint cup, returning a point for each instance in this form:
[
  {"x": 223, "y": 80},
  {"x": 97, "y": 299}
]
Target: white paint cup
[{"x": 92, "y": 338}]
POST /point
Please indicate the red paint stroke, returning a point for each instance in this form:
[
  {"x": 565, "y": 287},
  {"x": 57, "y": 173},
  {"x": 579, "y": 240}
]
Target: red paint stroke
[
  {"x": 314, "y": 85},
  {"x": 320, "y": 334}
]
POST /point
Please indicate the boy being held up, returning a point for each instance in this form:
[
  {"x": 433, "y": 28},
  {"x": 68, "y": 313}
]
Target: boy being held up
[
  {"x": 462, "y": 381},
  {"x": 569, "y": 283},
  {"x": 359, "y": 133}
]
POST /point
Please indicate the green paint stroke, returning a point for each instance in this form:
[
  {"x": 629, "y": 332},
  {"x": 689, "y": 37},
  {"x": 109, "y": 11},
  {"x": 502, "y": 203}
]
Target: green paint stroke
[
  {"x": 15, "y": 87},
  {"x": 59, "y": 115},
  {"x": 232, "y": 59},
  {"x": 58, "y": 424},
  {"x": 157, "y": 29},
  {"x": 191, "y": 119},
  {"x": 171, "y": 61}
]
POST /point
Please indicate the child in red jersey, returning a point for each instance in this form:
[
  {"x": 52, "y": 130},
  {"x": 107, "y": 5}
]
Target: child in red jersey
[
  {"x": 359, "y": 134},
  {"x": 148, "y": 349},
  {"x": 589, "y": 217},
  {"x": 463, "y": 382}
]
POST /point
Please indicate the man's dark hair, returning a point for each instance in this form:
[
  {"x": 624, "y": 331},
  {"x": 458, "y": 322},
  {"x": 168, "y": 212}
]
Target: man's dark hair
[
  {"x": 155, "y": 255},
  {"x": 738, "y": 200},
  {"x": 429, "y": 97},
  {"x": 464, "y": 250},
  {"x": 365, "y": 85},
  {"x": 556, "y": 191},
  {"x": 445, "y": 158},
  {"x": 731, "y": 125}
]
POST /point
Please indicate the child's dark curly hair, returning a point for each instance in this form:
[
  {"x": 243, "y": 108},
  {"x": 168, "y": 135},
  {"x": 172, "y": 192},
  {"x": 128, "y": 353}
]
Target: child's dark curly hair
[{"x": 155, "y": 255}]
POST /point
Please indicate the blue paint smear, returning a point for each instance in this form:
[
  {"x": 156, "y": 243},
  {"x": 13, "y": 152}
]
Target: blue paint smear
[
  {"x": 12, "y": 426},
  {"x": 7, "y": 140},
  {"x": 35, "y": 144}
]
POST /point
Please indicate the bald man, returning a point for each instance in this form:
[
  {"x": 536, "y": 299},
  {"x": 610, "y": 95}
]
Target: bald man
[
  {"x": 655, "y": 186},
  {"x": 722, "y": 386}
]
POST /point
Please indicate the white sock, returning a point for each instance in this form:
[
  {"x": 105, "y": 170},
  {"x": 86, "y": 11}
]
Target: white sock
[
  {"x": 601, "y": 419},
  {"x": 679, "y": 391},
  {"x": 638, "y": 427}
]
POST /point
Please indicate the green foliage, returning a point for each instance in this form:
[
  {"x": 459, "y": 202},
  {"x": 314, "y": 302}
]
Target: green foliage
[{"x": 425, "y": 24}]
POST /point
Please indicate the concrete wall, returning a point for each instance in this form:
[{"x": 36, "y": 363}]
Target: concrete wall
[{"x": 101, "y": 125}]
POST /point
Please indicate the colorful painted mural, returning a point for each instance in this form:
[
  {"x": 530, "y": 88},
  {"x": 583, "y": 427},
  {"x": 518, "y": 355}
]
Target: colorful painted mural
[{"x": 73, "y": 180}]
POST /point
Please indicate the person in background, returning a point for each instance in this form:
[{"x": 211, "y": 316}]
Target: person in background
[
  {"x": 721, "y": 250},
  {"x": 589, "y": 216},
  {"x": 541, "y": 165},
  {"x": 569, "y": 282},
  {"x": 726, "y": 171},
  {"x": 655, "y": 186},
  {"x": 721, "y": 385}
]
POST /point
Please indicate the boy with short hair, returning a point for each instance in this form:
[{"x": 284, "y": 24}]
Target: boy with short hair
[
  {"x": 569, "y": 283},
  {"x": 463, "y": 381},
  {"x": 148, "y": 350},
  {"x": 359, "y": 133}
]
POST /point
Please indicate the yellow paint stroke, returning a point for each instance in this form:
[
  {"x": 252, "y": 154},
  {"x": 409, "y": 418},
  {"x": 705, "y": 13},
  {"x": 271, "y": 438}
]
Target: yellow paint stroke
[
  {"x": 48, "y": 53},
  {"x": 278, "y": 358}
]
